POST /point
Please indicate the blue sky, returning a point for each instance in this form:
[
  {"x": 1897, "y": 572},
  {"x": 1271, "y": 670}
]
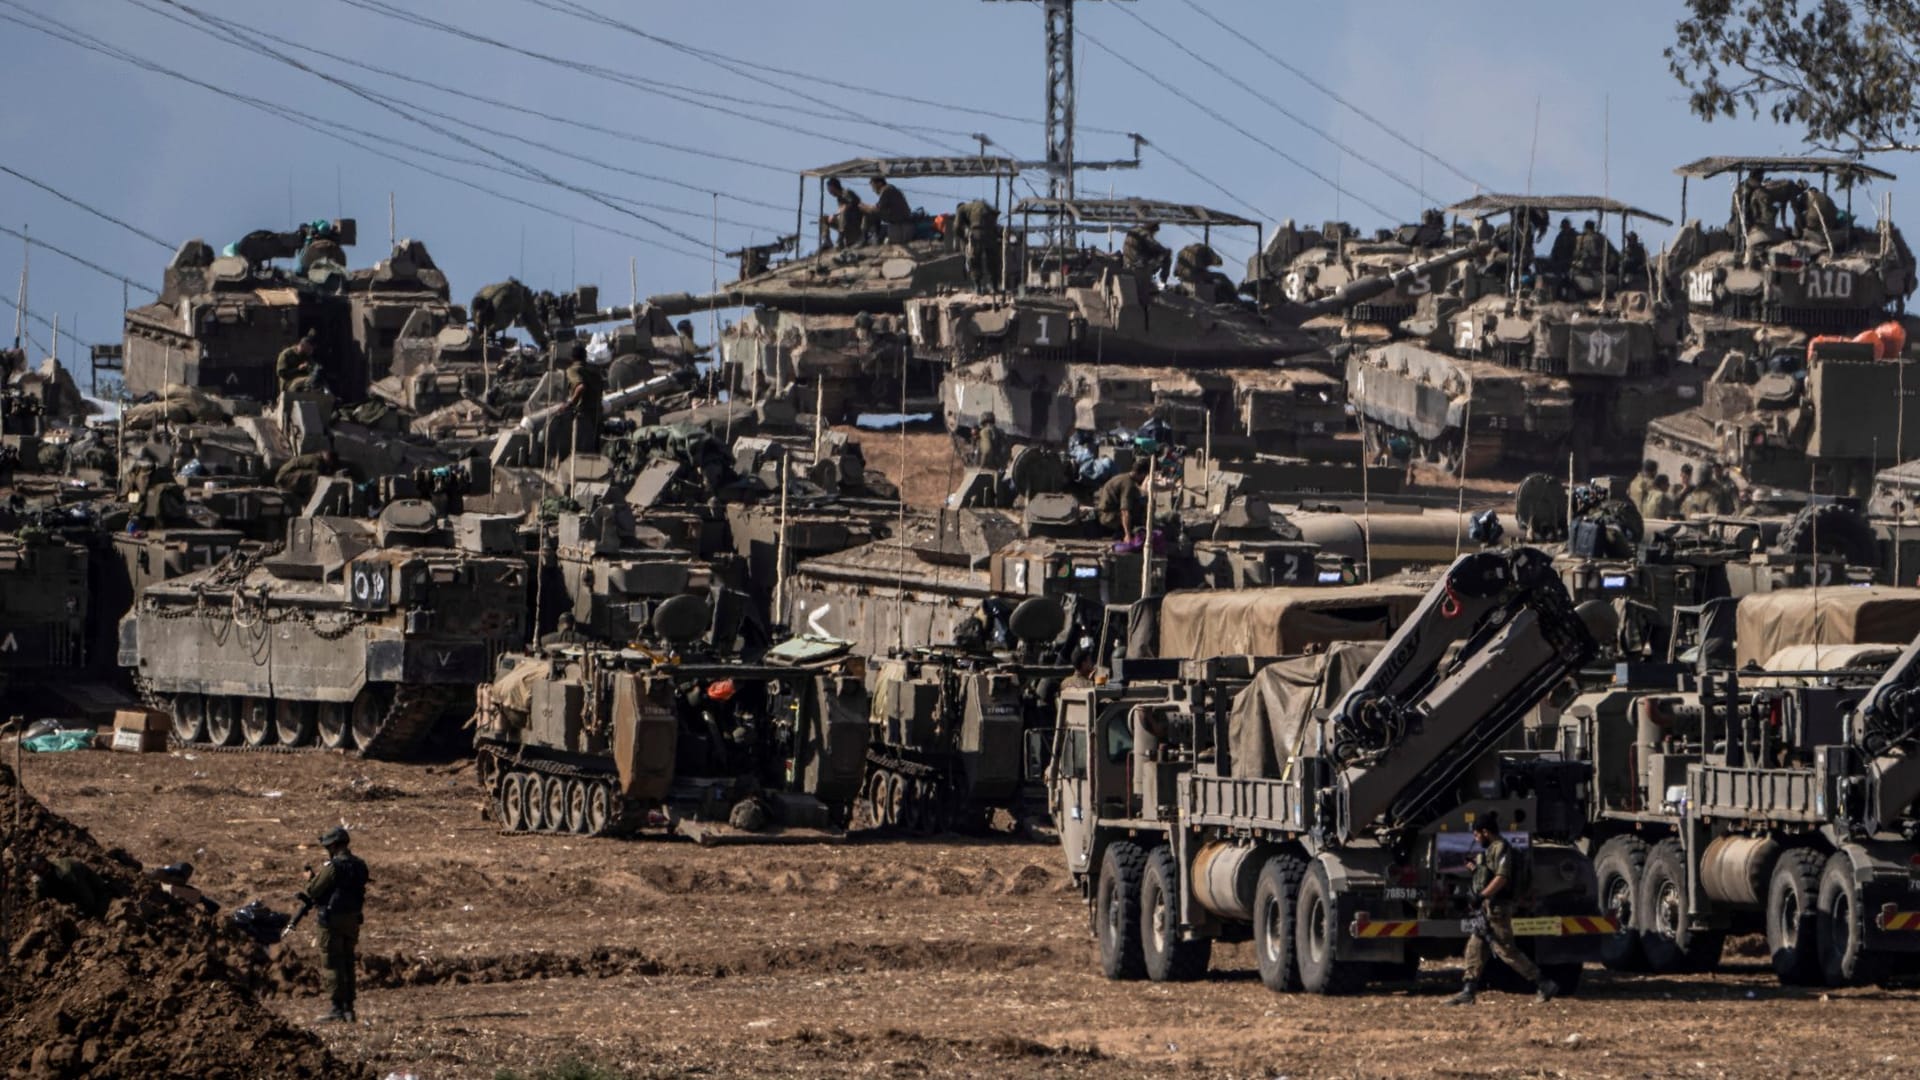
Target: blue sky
[{"x": 1459, "y": 81}]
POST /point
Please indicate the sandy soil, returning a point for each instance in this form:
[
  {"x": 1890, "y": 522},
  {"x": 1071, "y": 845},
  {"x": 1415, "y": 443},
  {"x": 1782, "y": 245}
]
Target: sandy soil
[{"x": 871, "y": 958}]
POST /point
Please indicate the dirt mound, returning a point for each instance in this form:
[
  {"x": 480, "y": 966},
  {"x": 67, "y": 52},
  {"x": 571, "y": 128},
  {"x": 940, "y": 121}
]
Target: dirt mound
[{"x": 153, "y": 989}]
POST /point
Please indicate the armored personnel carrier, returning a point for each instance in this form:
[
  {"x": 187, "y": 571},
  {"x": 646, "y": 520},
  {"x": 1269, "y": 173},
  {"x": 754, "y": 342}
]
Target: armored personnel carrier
[
  {"x": 1770, "y": 298},
  {"x": 1090, "y": 343},
  {"x": 1776, "y": 800},
  {"x": 1320, "y": 805},
  {"x": 678, "y": 735},
  {"x": 1530, "y": 343},
  {"x": 355, "y": 635}
]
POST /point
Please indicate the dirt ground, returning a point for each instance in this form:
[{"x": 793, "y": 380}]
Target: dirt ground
[{"x": 871, "y": 958}]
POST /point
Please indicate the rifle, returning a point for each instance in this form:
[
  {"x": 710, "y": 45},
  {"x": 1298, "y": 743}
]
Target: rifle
[
  {"x": 1474, "y": 924},
  {"x": 306, "y": 905}
]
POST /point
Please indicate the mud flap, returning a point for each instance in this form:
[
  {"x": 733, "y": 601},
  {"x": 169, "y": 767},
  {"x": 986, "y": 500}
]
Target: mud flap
[
  {"x": 833, "y": 761},
  {"x": 645, "y": 738}
]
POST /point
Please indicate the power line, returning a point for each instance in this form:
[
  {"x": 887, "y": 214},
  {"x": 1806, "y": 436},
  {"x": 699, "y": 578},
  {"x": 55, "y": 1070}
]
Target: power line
[
  {"x": 1243, "y": 132},
  {"x": 65, "y": 254},
  {"x": 741, "y": 68},
  {"x": 46, "y": 322},
  {"x": 631, "y": 82},
  {"x": 1274, "y": 105},
  {"x": 327, "y": 129},
  {"x": 1363, "y": 114},
  {"x": 376, "y": 99},
  {"x": 1209, "y": 181},
  {"x": 96, "y": 212}
]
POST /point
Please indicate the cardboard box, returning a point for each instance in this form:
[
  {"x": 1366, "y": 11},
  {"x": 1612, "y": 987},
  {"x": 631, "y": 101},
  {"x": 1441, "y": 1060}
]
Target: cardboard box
[
  {"x": 149, "y": 721},
  {"x": 139, "y": 742}
]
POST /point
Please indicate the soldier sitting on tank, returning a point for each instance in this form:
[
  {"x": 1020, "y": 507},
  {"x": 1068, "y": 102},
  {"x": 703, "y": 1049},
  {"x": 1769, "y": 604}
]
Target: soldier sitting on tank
[
  {"x": 1432, "y": 230},
  {"x": 564, "y": 633},
  {"x": 1195, "y": 269},
  {"x": 507, "y": 303},
  {"x": 890, "y": 217},
  {"x": 1121, "y": 502},
  {"x": 296, "y": 369},
  {"x": 1593, "y": 253},
  {"x": 1633, "y": 260},
  {"x": 1815, "y": 217},
  {"x": 302, "y": 472},
  {"x": 1144, "y": 255},
  {"x": 849, "y": 219},
  {"x": 990, "y": 444}
]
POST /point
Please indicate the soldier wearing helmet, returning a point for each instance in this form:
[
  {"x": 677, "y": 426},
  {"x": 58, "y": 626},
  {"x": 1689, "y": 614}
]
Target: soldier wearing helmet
[{"x": 338, "y": 891}]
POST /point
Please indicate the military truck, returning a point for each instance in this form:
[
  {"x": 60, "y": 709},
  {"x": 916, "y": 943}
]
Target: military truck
[
  {"x": 1729, "y": 800},
  {"x": 676, "y": 735},
  {"x": 355, "y": 635},
  {"x": 1321, "y": 805},
  {"x": 1788, "y": 402}
]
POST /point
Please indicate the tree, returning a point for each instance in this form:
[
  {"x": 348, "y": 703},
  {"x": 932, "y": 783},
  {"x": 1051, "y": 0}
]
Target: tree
[{"x": 1845, "y": 71}]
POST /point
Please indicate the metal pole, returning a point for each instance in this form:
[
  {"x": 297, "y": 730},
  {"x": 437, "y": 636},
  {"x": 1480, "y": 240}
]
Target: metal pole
[
  {"x": 780, "y": 550},
  {"x": 393, "y": 235},
  {"x": 1460, "y": 499},
  {"x": 1366, "y": 504},
  {"x": 820, "y": 411}
]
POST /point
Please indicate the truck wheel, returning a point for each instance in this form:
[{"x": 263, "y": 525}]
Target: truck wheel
[
  {"x": 1620, "y": 865},
  {"x": 1793, "y": 916},
  {"x": 1316, "y": 934},
  {"x": 1117, "y": 911},
  {"x": 1274, "y": 896},
  {"x": 1168, "y": 958},
  {"x": 1842, "y": 926},
  {"x": 1670, "y": 944}
]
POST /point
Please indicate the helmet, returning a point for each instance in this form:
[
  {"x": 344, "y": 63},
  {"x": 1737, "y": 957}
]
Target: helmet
[{"x": 334, "y": 837}]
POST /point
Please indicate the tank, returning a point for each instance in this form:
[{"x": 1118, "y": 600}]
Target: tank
[
  {"x": 1771, "y": 299},
  {"x": 1086, "y": 344},
  {"x": 1311, "y": 264},
  {"x": 1414, "y": 402},
  {"x": 356, "y": 635},
  {"x": 677, "y": 737},
  {"x": 1585, "y": 324}
]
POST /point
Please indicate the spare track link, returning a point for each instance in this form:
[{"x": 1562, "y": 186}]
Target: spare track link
[{"x": 628, "y": 816}]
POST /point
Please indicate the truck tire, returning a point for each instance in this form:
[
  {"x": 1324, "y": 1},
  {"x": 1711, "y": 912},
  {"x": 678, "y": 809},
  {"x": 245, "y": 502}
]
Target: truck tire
[
  {"x": 1670, "y": 944},
  {"x": 1842, "y": 926},
  {"x": 1316, "y": 928},
  {"x": 1117, "y": 911},
  {"x": 1793, "y": 916},
  {"x": 1619, "y": 868},
  {"x": 1274, "y": 896},
  {"x": 1168, "y": 958}
]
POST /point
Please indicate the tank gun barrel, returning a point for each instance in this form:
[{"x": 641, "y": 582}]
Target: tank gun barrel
[
  {"x": 681, "y": 303},
  {"x": 643, "y": 390},
  {"x": 1360, "y": 290}
]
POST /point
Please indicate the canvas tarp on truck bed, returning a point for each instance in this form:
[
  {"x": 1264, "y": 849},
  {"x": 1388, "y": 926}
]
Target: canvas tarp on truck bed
[
  {"x": 1769, "y": 622},
  {"x": 1279, "y": 621},
  {"x": 1273, "y": 715}
]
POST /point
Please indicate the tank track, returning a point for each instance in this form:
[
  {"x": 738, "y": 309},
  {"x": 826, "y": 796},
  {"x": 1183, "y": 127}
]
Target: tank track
[
  {"x": 498, "y": 765},
  {"x": 918, "y": 798},
  {"x": 403, "y": 729}
]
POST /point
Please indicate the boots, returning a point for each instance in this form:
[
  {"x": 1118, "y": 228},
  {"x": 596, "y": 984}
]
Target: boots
[
  {"x": 1465, "y": 996},
  {"x": 1547, "y": 991},
  {"x": 337, "y": 1015}
]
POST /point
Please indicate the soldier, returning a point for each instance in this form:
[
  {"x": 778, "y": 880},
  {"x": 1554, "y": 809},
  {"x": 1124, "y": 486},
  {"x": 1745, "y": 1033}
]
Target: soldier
[
  {"x": 1494, "y": 874},
  {"x": 891, "y": 216},
  {"x": 302, "y": 472},
  {"x": 564, "y": 633},
  {"x": 1431, "y": 230},
  {"x": 1633, "y": 257},
  {"x": 850, "y": 219},
  {"x": 296, "y": 369},
  {"x": 1748, "y": 194},
  {"x": 70, "y": 882},
  {"x": 1640, "y": 486},
  {"x": 585, "y": 385},
  {"x": 990, "y": 444},
  {"x": 176, "y": 880},
  {"x": 1685, "y": 487},
  {"x": 1659, "y": 502},
  {"x": 977, "y": 226},
  {"x": 689, "y": 348},
  {"x": 339, "y": 890},
  {"x": 1560, "y": 256},
  {"x": 504, "y": 304},
  {"x": 1814, "y": 214},
  {"x": 1145, "y": 255},
  {"x": 1592, "y": 252},
  {"x": 1122, "y": 502},
  {"x": 1713, "y": 495},
  {"x": 1083, "y": 669},
  {"x": 1195, "y": 268}
]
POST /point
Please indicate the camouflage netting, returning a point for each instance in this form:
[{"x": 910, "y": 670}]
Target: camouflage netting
[{"x": 154, "y": 989}]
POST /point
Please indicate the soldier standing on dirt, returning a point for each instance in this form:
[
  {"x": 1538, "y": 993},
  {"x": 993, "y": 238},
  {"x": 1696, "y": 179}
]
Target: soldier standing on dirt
[
  {"x": 1493, "y": 881},
  {"x": 339, "y": 890}
]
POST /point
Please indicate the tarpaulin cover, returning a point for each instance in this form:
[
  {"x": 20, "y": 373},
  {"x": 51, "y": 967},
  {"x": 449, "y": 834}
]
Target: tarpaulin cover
[
  {"x": 1769, "y": 622},
  {"x": 1273, "y": 715},
  {"x": 1279, "y": 621}
]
